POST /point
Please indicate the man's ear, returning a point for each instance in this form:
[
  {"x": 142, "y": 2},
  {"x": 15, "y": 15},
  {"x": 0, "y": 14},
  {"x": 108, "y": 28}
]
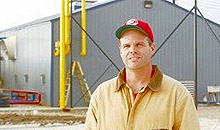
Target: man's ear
[{"x": 153, "y": 48}]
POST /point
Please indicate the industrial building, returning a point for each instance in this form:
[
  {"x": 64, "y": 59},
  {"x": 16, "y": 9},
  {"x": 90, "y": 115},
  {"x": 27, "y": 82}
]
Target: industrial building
[{"x": 32, "y": 64}]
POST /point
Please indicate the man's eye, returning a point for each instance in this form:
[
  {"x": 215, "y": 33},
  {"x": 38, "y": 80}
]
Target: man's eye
[
  {"x": 125, "y": 46},
  {"x": 140, "y": 45}
]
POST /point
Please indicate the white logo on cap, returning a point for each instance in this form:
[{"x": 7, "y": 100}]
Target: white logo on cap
[{"x": 132, "y": 22}]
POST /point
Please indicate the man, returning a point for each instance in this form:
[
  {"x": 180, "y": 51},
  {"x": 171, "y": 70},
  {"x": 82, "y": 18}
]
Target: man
[{"x": 141, "y": 97}]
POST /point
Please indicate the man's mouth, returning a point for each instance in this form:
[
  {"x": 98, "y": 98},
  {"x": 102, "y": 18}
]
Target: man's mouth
[{"x": 133, "y": 58}]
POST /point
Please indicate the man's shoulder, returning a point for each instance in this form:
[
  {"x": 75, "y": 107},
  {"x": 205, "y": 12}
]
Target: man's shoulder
[
  {"x": 173, "y": 84},
  {"x": 171, "y": 81},
  {"x": 107, "y": 86},
  {"x": 109, "y": 82}
]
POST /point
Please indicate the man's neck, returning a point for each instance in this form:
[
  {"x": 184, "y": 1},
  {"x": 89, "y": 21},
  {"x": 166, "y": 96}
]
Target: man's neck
[{"x": 138, "y": 78}]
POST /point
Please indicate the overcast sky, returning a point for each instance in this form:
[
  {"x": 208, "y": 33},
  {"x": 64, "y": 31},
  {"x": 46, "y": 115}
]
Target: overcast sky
[
  {"x": 209, "y": 8},
  {"x": 16, "y": 12}
]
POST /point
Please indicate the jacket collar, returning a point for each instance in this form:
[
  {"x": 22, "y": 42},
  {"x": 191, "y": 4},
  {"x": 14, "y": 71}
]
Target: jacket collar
[{"x": 154, "y": 83}]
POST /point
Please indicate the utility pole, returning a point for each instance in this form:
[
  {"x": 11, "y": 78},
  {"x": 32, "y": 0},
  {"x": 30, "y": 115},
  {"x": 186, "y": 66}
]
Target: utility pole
[{"x": 195, "y": 53}]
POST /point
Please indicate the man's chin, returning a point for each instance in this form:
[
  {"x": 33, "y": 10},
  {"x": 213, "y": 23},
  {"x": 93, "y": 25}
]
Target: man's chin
[{"x": 134, "y": 67}]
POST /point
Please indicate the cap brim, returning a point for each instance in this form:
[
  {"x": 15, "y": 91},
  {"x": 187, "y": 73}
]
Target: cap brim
[{"x": 124, "y": 28}]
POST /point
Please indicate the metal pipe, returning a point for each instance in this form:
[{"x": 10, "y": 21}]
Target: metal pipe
[
  {"x": 57, "y": 49},
  {"x": 62, "y": 57},
  {"x": 71, "y": 55},
  {"x": 195, "y": 54},
  {"x": 67, "y": 27},
  {"x": 83, "y": 20}
]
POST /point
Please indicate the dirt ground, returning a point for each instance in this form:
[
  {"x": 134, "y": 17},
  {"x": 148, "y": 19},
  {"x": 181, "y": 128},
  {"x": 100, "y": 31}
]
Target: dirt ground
[
  {"x": 15, "y": 118},
  {"x": 41, "y": 116},
  {"x": 51, "y": 120}
]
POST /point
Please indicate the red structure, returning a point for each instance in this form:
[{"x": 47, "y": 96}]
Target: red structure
[{"x": 23, "y": 96}]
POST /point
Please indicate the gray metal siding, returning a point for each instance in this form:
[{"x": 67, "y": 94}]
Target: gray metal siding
[
  {"x": 208, "y": 58},
  {"x": 175, "y": 58},
  {"x": 33, "y": 59},
  {"x": 93, "y": 65},
  {"x": 55, "y": 63}
]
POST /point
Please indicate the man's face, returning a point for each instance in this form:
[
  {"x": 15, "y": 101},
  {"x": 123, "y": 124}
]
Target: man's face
[{"x": 135, "y": 49}]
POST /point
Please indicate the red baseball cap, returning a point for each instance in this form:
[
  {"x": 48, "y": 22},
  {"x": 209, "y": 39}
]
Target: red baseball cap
[{"x": 136, "y": 24}]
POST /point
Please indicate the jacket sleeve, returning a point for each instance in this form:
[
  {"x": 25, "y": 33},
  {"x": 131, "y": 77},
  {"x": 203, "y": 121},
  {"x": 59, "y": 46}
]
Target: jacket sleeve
[
  {"x": 91, "y": 115},
  {"x": 186, "y": 116}
]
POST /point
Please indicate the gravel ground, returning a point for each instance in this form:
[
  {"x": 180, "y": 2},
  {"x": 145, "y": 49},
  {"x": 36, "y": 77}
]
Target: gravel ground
[
  {"x": 42, "y": 120},
  {"x": 46, "y": 127},
  {"x": 208, "y": 117}
]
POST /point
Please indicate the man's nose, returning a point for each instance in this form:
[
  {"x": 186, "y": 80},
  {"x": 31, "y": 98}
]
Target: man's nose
[{"x": 133, "y": 49}]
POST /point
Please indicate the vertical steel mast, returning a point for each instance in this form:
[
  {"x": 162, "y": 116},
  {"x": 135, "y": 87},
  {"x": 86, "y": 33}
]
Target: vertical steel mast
[{"x": 195, "y": 53}]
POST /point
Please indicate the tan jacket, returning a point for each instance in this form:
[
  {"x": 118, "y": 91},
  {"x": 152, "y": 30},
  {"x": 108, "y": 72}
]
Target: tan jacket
[{"x": 163, "y": 104}]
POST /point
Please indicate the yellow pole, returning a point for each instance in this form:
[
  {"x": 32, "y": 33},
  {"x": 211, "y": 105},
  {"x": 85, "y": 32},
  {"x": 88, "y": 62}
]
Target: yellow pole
[
  {"x": 67, "y": 27},
  {"x": 83, "y": 19},
  {"x": 62, "y": 57}
]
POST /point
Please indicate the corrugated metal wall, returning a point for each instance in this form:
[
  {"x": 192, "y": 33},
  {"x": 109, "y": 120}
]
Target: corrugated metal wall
[
  {"x": 176, "y": 56},
  {"x": 33, "y": 59},
  {"x": 36, "y": 47}
]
